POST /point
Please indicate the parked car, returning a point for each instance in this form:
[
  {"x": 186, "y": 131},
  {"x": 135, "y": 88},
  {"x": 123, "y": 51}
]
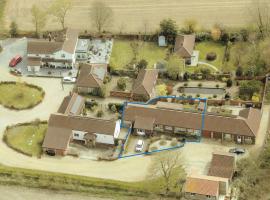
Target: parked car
[
  {"x": 139, "y": 146},
  {"x": 15, "y": 60},
  {"x": 68, "y": 79},
  {"x": 237, "y": 151}
]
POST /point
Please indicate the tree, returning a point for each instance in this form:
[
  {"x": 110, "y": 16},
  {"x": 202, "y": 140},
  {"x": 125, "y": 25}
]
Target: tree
[
  {"x": 122, "y": 83},
  {"x": 135, "y": 47},
  {"x": 59, "y": 10},
  {"x": 248, "y": 88},
  {"x": 216, "y": 32},
  {"x": 175, "y": 66},
  {"x": 255, "y": 97},
  {"x": 13, "y": 29},
  {"x": 190, "y": 26},
  {"x": 101, "y": 15},
  {"x": 168, "y": 166},
  {"x": 259, "y": 11},
  {"x": 239, "y": 71},
  {"x": 229, "y": 82},
  {"x": 161, "y": 90},
  {"x": 169, "y": 29},
  {"x": 142, "y": 64},
  {"x": 39, "y": 18}
]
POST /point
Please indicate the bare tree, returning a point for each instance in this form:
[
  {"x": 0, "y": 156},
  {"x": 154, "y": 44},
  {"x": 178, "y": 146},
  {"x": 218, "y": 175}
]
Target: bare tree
[
  {"x": 168, "y": 165},
  {"x": 101, "y": 15},
  {"x": 260, "y": 13},
  {"x": 59, "y": 10},
  {"x": 39, "y": 18}
]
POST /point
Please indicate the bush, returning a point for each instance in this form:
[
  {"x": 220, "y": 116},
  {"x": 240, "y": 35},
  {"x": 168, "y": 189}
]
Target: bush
[
  {"x": 217, "y": 85},
  {"x": 118, "y": 106},
  {"x": 214, "y": 96},
  {"x": 100, "y": 113},
  {"x": 113, "y": 109},
  {"x": 122, "y": 84},
  {"x": 162, "y": 142},
  {"x": 248, "y": 88},
  {"x": 198, "y": 95},
  {"x": 169, "y": 89},
  {"x": 229, "y": 83},
  {"x": 185, "y": 84},
  {"x": 174, "y": 142},
  {"x": 211, "y": 56},
  {"x": 199, "y": 84}
]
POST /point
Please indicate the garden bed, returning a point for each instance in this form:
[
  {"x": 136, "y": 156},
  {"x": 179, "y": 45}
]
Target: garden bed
[
  {"x": 201, "y": 90},
  {"x": 19, "y": 96},
  {"x": 26, "y": 138}
]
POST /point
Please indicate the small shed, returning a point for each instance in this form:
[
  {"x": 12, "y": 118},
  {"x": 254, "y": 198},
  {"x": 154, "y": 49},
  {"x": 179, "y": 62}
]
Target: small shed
[{"x": 162, "y": 41}]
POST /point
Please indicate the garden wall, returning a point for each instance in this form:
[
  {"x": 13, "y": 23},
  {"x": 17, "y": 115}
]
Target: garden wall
[{"x": 120, "y": 94}]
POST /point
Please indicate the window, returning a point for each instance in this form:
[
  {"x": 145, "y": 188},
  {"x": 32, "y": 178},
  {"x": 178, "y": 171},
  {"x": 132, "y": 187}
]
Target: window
[
  {"x": 140, "y": 130},
  {"x": 208, "y": 196},
  {"x": 76, "y": 135},
  {"x": 63, "y": 55}
]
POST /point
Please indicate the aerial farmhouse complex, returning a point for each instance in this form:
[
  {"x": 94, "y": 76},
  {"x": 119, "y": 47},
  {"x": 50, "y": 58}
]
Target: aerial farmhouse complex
[{"x": 168, "y": 110}]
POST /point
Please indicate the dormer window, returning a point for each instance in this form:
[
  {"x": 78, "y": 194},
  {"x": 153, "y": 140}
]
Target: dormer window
[
  {"x": 63, "y": 55},
  {"x": 37, "y": 54}
]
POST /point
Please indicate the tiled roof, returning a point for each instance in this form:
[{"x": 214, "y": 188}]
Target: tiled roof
[
  {"x": 201, "y": 186},
  {"x": 145, "y": 82},
  {"x": 184, "y": 45}
]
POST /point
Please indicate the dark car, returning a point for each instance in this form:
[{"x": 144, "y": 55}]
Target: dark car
[
  {"x": 237, "y": 151},
  {"x": 14, "y": 61}
]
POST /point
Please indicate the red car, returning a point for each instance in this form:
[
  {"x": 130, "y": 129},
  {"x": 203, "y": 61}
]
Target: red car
[{"x": 14, "y": 61}]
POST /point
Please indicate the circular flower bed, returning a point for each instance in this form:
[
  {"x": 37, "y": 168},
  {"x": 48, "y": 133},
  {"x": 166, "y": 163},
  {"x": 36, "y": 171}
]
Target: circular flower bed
[{"x": 19, "y": 96}]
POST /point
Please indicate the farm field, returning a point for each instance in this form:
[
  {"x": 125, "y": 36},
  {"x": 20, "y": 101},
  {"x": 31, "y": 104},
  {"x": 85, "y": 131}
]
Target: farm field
[{"x": 133, "y": 15}]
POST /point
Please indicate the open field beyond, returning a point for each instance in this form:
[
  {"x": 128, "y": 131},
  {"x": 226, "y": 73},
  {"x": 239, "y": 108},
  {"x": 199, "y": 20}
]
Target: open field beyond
[{"x": 133, "y": 15}]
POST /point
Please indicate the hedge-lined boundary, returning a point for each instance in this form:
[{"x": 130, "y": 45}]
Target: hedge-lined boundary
[
  {"x": 27, "y": 85},
  {"x": 74, "y": 183}
]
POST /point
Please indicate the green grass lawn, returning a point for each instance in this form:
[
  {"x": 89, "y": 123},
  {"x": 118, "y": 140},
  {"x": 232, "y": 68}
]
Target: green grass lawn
[
  {"x": 122, "y": 53},
  {"x": 19, "y": 95},
  {"x": 26, "y": 138},
  {"x": 207, "y": 47}
]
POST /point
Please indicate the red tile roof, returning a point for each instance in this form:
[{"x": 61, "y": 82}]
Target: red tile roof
[{"x": 201, "y": 186}]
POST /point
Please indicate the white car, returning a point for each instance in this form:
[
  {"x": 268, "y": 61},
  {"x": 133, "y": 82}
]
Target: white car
[
  {"x": 139, "y": 146},
  {"x": 68, "y": 79}
]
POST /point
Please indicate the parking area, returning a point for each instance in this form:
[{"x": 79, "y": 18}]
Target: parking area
[{"x": 132, "y": 143}]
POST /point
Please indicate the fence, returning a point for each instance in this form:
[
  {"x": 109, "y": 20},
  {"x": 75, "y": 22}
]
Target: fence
[{"x": 120, "y": 94}]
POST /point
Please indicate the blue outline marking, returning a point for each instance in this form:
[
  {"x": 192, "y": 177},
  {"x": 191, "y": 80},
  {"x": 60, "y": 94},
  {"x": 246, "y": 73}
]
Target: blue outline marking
[{"x": 149, "y": 102}]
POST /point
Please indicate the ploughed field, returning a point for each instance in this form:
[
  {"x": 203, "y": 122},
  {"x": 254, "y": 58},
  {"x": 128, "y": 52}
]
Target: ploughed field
[{"x": 134, "y": 15}]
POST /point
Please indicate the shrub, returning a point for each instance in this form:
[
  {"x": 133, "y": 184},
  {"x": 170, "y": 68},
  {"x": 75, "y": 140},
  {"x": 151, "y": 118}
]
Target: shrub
[
  {"x": 142, "y": 64},
  {"x": 49, "y": 72},
  {"x": 162, "y": 142},
  {"x": 13, "y": 29},
  {"x": 198, "y": 95},
  {"x": 100, "y": 113},
  {"x": 248, "y": 88},
  {"x": 199, "y": 84},
  {"x": 185, "y": 84},
  {"x": 122, "y": 84},
  {"x": 211, "y": 56},
  {"x": 113, "y": 109},
  {"x": 169, "y": 89},
  {"x": 214, "y": 96},
  {"x": 174, "y": 142},
  {"x": 217, "y": 85},
  {"x": 229, "y": 83},
  {"x": 239, "y": 71},
  {"x": 118, "y": 106}
]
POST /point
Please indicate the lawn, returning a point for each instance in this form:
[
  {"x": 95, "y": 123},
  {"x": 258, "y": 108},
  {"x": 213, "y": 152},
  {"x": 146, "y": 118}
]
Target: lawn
[
  {"x": 26, "y": 138},
  {"x": 20, "y": 96},
  {"x": 206, "y": 47},
  {"x": 122, "y": 53}
]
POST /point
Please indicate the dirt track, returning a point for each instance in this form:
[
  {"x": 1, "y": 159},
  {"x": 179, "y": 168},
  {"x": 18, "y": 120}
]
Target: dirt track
[{"x": 131, "y": 15}]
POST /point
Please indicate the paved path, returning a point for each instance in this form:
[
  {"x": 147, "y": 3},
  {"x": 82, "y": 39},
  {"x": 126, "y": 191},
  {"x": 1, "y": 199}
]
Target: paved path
[{"x": 208, "y": 65}]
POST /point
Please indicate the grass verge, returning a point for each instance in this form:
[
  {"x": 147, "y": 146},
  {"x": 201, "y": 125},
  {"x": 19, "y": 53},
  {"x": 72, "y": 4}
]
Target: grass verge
[
  {"x": 56, "y": 181},
  {"x": 2, "y": 10},
  {"x": 26, "y": 138},
  {"x": 19, "y": 96}
]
